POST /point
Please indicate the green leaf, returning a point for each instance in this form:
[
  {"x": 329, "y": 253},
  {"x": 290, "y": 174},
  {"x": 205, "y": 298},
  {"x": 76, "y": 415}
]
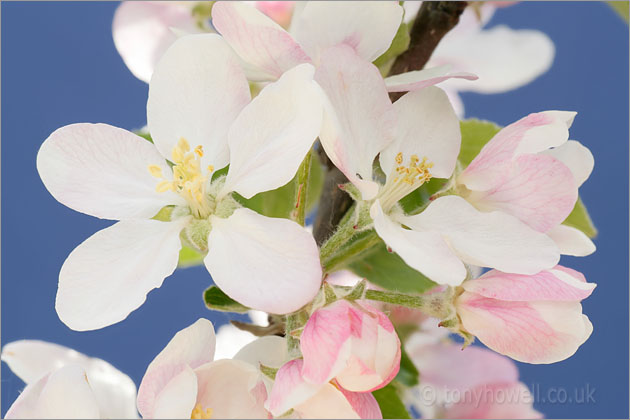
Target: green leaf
[
  {"x": 219, "y": 301},
  {"x": 475, "y": 134},
  {"x": 390, "y": 403},
  {"x": 580, "y": 219},
  {"x": 621, "y": 7},
  {"x": 388, "y": 270},
  {"x": 189, "y": 257},
  {"x": 399, "y": 45},
  {"x": 281, "y": 202},
  {"x": 408, "y": 374}
]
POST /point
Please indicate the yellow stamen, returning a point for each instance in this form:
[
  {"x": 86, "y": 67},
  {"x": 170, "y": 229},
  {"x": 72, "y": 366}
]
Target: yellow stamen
[
  {"x": 155, "y": 170},
  {"x": 199, "y": 413},
  {"x": 404, "y": 179},
  {"x": 199, "y": 151}
]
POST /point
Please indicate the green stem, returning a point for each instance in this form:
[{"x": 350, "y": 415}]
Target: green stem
[
  {"x": 349, "y": 253},
  {"x": 302, "y": 187},
  {"x": 293, "y": 344},
  {"x": 345, "y": 232}
]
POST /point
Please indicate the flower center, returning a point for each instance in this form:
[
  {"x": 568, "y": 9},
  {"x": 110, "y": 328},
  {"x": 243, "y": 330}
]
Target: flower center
[
  {"x": 189, "y": 180},
  {"x": 199, "y": 413},
  {"x": 404, "y": 179}
]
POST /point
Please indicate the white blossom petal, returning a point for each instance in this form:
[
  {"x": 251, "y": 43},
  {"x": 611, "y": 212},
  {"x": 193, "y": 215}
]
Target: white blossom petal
[
  {"x": 424, "y": 251},
  {"x": 62, "y": 394},
  {"x": 109, "y": 275},
  {"x": 571, "y": 241},
  {"x": 367, "y": 27},
  {"x": 420, "y": 79},
  {"x": 230, "y": 340},
  {"x": 177, "y": 399},
  {"x": 197, "y": 90},
  {"x": 493, "y": 239},
  {"x": 359, "y": 119},
  {"x": 265, "y": 263},
  {"x": 265, "y": 47},
  {"x": 427, "y": 127},
  {"x": 503, "y": 58},
  {"x": 271, "y": 137},
  {"x": 142, "y": 31},
  {"x": 576, "y": 157},
  {"x": 103, "y": 171},
  {"x": 270, "y": 350}
]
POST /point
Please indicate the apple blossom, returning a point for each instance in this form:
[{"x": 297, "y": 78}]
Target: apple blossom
[
  {"x": 416, "y": 138},
  {"x": 353, "y": 343},
  {"x": 144, "y": 30},
  {"x": 183, "y": 381},
  {"x": 533, "y": 319},
  {"x": 470, "y": 383},
  {"x": 63, "y": 383},
  {"x": 200, "y": 118},
  {"x": 530, "y": 170}
]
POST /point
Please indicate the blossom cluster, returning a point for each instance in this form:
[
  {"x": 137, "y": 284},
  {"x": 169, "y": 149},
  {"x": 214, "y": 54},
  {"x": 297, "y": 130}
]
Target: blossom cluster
[{"x": 241, "y": 97}]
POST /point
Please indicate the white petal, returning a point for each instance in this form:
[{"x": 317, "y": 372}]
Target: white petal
[
  {"x": 142, "y": 31},
  {"x": 427, "y": 127},
  {"x": 265, "y": 263},
  {"x": 576, "y": 157},
  {"x": 171, "y": 369},
  {"x": 32, "y": 359},
  {"x": 270, "y": 350},
  {"x": 367, "y": 27},
  {"x": 493, "y": 239},
  {"x": 265, "y": 47},
  {"x": 230, "y": 340},
  {"x": 571, "y": 241},
  {"x": 65, "y": 393},
  {"x": 177, "y": 399},
  {"x": 419, "y": 79},
  {"x": 109, "y": 275},
  {"x": 359, "y": 120},
  {"x": 103, "y": 171},
  {"x": 503, "y": 58},
  {"x": 197, "y": 90},
  {"x": 271, "y": 137},
  {"x": 427, "y": 252},
  {"x": 232, "y": 389}
]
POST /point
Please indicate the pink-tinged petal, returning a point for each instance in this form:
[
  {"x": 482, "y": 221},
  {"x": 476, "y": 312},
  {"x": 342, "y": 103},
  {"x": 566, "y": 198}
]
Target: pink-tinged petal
[
  {"x": 364, "y": 404},
  {"x": 495, "y": 401},
  {"x": 232, "y": 389},
  {"x": 326, "y": 342},
  {"x": 448, "y": 367},
  {"x": 271, "y": 136},
  {"x": 108, "y": 276},
  {"x": 576, "y": 157},
  {"x": 176, "y": 399},
  {"x": 143, "y": 30},
  {"x": 493, "y": 239},
  {"x": 290, "y": 389},
  {"x": 537, "y": 189},
  {"x": 367, "y": 27},
  {"x": 33, "y": 359},
  {"x": 530, "y": 332},
  {"x": 531, "y": 134},
  {"x": 245, "y": 251},
  {"x": 62, "y": 394},
  {"x": 359, "y": 119},
  {"x": 331, "y": 403},
  {"x": 427, "y": 127},
  {"x": 420, "y": 79},
  {"x": 552, "y": 285},
  {"x": 424, "y": 251},
  {"x": 257, "y": 39},
  {"x": 191, "y": 96},
  {"x": 270, "y": 351},
  {"x": 188, "y": 349},
  {"x": 279, "y": 11},
  {"x": 103, "y": 171},
  {"x": 503, "y": 58}
]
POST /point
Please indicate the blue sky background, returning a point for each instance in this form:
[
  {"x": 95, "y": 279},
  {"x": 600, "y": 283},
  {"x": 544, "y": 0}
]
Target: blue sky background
[{"x": 59, "y": 66}]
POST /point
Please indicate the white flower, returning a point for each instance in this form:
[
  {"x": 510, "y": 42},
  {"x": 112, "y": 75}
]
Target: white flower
[
  {"x": 416, "y": 138},
  {"x": 63, "y": 383},
  {"x": 200, "y": 117}
]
